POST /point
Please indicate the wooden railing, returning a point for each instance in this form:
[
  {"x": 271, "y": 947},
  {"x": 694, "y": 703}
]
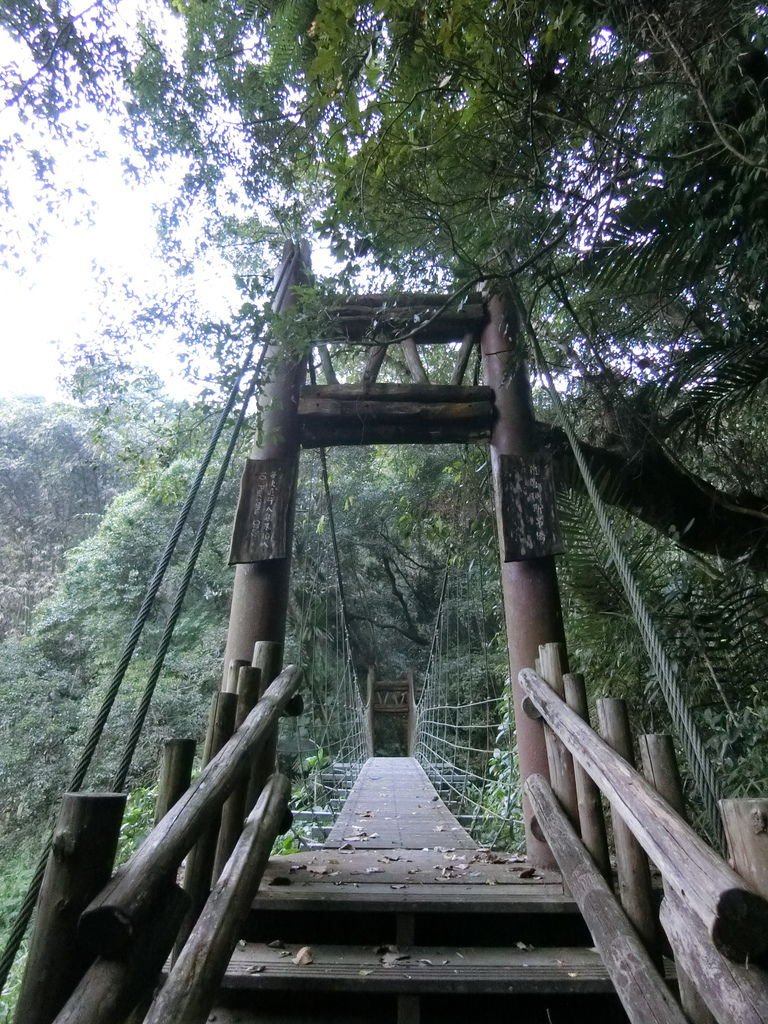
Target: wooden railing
[
  {"x": 126, "y": 930},
  {"x": 715, "y": 919}
]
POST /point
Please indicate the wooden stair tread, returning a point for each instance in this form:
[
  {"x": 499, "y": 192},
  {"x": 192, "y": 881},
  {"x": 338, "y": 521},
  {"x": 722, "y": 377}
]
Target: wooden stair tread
[
  {"x": 257, "y": 966},
  {"x": 398, "y": 880}
]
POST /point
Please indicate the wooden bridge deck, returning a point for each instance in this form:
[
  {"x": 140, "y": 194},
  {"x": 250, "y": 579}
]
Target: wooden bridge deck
[
  {"x": 401, "y": 904},
  {"x": 394, "y": 806}
]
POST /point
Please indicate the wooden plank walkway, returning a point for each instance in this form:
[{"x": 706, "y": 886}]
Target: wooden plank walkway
[{"x": 394, "y": 806}]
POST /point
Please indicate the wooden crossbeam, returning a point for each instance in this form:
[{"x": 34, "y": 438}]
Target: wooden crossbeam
[
  {"x": 394, "y": 413},
  {"x": 431, "y": 319}
]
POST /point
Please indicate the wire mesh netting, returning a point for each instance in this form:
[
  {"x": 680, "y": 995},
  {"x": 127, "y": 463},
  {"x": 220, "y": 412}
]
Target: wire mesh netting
[
  {"x": 326, "y": 746},
  {"x": 464, "y": 739}
]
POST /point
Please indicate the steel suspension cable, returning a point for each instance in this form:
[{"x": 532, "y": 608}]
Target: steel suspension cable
[
  {"x": 664, "y": 669},
  {"x": 77, "y": 778},
  {"x": 189, "y": 569}
]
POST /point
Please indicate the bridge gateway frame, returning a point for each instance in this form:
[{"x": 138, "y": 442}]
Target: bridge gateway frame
[
  {"x": 716, "y": 920},
  {"x": 295, "y": 416}
]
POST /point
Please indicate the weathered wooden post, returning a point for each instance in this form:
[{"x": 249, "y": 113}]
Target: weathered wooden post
[
  {"x": 591, "y": 818},
  {"x": 370, "y": 718},
  {"x": 175, "y": 773},
  {"x": 746, "y": 828},
  {"x": 659, "y": 763},
  {"x": 632, "y": 869},
  {"x": 410, "y": 747},
  {"x": 79, "y": 865},
  {"x": 524, "y": 496},
  {"x": 261, "y": 540}
]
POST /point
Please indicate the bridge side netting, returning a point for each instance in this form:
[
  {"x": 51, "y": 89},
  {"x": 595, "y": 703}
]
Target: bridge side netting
[
  {"x": 326, "y": 746},
  {"x": 464, "y": 735}
]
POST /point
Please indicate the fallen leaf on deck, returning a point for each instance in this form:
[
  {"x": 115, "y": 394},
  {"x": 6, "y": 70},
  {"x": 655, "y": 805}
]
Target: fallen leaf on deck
[
  {"x": 304, "y": 957},
  {"x": 373, "y": 871},
  {"x": 528, "y": 873},
  {"x": 276, "y": 944},
  {"x": 255, "y": 969},
  {"x": 402, "y": 886},
  {"x": 525, "y": 945},
  {"x": 390, "y": 959},
  {"x": 320, "y": 870}
]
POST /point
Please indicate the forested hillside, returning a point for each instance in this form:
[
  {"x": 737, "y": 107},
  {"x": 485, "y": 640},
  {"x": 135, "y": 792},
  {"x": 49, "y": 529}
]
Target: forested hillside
[{"x": 604, "y": 165}]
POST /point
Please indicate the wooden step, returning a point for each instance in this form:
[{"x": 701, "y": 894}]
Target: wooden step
[
  {"x": 430, "y": 896},
  {"x": 416, "y": 970},
  {"x": 410, "y": 881}
]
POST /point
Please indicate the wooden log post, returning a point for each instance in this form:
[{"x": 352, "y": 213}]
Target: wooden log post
[
  {"x": 632, "y": 869},
  {"x": 191, "y": 988},
  {"x": 412, "y": 712},
  {"x": 233, "y": 674},
  {"x": 111, "y": 989},
  {"x": 79, "y": 865},
  {"x": 735, "y": 916},
  {"x": 591, "y": 818},
  {"x": 733, "y": 993},
  {"x": 531, "y": 596},
  {"x": 111, "y": 923},
  {"x": 659, "y": 764},
  {"x": 198, "y": 869},
  {"x": 175, "y": 773},
  {"x": 370, "y": 715},
  {"x": 267, "y": 658},
  {"x": 561, "y": 772},
  {"x": 327, "y": 365},
  {"x": 638, "y": 984},
  {"x": 746, "y": 829},
  {"x": 260, "y": 592},
  {"x": 462, "y": 358},
  {"x": 233, "y": 811},
  {"x": 374, "y": 361},
  {"x": 413, "y": 361}
]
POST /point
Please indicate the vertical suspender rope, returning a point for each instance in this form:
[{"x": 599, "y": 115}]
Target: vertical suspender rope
[{"x": 664, "y": 669}]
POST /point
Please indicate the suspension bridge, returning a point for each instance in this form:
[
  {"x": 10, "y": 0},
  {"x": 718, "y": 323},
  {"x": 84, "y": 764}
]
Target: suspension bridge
[{"x": 466, "y": 869}]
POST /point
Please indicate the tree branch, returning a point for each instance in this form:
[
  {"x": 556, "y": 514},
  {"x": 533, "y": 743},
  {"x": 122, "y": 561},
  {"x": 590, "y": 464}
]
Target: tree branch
[{"x": 691, "y": 512}]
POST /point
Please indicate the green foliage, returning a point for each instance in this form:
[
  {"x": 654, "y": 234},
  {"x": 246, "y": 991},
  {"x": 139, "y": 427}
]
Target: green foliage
[{"x": 138, "y": 820}]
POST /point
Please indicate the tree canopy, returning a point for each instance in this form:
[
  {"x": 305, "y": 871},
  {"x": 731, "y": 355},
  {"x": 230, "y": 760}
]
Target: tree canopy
[{"x": 603, "y": 162}]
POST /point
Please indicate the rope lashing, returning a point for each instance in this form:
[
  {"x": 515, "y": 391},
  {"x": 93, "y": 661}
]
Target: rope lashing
[{"x": 664, "y": 669}]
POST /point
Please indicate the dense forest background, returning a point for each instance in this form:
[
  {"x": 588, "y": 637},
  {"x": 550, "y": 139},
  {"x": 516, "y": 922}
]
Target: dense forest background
[{"x": 603, "y": 162}]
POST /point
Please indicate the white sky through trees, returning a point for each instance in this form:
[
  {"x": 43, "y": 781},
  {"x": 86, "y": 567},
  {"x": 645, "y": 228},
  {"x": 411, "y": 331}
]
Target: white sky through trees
[{"x": 79, "y": 253}]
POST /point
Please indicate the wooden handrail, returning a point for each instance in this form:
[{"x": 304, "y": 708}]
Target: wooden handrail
[
  {"x": 109, "y": 925},
  {"x": 735, "y": 917},
  {"x": 191, "y": 988},
  {"x": 638, "y": 984}
]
